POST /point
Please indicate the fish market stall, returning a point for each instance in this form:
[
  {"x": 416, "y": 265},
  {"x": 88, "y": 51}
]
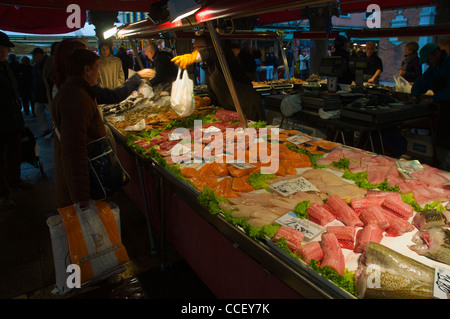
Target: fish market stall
[{"x": 261, "y": 212}]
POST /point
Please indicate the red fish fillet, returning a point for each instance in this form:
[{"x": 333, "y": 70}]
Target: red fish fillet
[
  {"x": 397, "y": 225},
  {"x": 430, "y": 178},
  {"x": 344, "y": 212},
  {"x": 359, "y": 203},
  {"x": 332, "y": 253},
  {"x": 310, "y": 251},
  {"x": 293, "y": 237},
  {"x": 401, "y": 208},
  {"x": 370, "y": 233},
  {"x": 344, "y": 234},
  {"x": 319, "y": 214},
  {"x": 374, "y": 215}
]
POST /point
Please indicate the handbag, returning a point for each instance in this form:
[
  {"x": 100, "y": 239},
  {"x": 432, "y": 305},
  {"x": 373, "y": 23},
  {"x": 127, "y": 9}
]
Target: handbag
[{"x": 105, "y": 170}]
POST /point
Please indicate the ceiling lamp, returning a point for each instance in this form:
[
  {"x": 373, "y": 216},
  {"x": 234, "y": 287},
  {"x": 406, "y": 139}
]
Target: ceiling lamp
[
  {"x": 109, "y": 33},
  {"x": 180, "y": 9}
]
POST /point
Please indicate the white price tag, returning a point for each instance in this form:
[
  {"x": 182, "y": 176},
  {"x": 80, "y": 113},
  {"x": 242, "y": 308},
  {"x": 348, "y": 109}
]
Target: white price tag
[
  {"x": 211, "y": 129},
  {"x": 407, "y": 167},
  {"x": 307, "y": 227},
  {"x": 175, "y": 136},
  {"x": 293, "y": 186},
  {"x": 298, "y": 139},
  {"x": 243, "y": 165},
  {"x": 441, "y": 289},
  {"x": 197, "y": 166}
]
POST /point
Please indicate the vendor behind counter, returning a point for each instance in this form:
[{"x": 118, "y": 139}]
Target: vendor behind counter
[{"x": 437, "y": 79}]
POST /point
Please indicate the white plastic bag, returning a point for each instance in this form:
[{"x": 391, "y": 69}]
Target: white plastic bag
[
  {"x": 291, "y": 105},
  {"x": 401, "y": 85},
  {"x": 61, "y": 252},
  {"x": 182, "y": 95}
]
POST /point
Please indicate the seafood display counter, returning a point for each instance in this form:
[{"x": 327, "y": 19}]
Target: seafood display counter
[
  {"x": 231, "y": 264},
  {"x": 287, "y": 215}
]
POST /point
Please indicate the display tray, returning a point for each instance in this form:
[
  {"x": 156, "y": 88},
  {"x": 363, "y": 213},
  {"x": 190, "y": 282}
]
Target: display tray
[{"x": 385, "y": 114}]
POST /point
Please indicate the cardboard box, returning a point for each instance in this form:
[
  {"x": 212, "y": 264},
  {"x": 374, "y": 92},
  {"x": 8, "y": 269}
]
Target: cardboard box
[{"x": 421, "y": 145}]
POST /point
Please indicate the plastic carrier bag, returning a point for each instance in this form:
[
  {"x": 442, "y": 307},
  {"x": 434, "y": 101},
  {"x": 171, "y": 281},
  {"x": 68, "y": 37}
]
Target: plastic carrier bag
[
  {"x": 401, "y": 85},
  {"x": 182, "y": 95},
  {"x": 91, "y": 239},
  {"x": 105, "y": 170}
]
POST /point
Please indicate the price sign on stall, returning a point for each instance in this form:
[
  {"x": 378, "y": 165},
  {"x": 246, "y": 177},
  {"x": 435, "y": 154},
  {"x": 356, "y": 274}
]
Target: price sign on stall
[
  {"x": 293, "y": 186},
  {"x": 298, "y": 139},
  {"x": 407, "y": 167},
  {"x": 307, "y": 227}
]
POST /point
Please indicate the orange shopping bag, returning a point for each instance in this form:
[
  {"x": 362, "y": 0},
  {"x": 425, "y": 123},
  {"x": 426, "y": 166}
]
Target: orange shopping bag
[{"x": 93, "y": 238}]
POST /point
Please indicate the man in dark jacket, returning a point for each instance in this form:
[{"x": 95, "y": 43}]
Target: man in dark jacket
[
  {"x": 166, "y": 71},
  {"x": 437, "y": 79},
  {"x": 375, "y": 65},
  {"x": 11, "y": 126},
  {"x": 341, "y": 45}
]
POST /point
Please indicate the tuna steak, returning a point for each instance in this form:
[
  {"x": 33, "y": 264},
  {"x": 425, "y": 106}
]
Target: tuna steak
[
  {"x": 310, "y": 251},
  {"x": 332, "y": 253},
  {"x": 319, "y": 214},
  {"x": 401, "y": 208},
  {"x": 293, "y": 237},
  {"x": 374, "y": 215},
  {"x": 344, "y": 212},
  {"x": 370, "y": 233}
]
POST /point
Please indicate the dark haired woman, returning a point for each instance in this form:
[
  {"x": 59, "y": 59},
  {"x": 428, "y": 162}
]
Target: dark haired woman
[{"x": 77, "y": 122}]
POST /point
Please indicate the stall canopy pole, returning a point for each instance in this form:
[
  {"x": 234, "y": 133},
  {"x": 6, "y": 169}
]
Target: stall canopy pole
[
  {"x": 226, "y": 72},
  {"x": 138, "y": 58},
  {"x": 283, "y": 55}
]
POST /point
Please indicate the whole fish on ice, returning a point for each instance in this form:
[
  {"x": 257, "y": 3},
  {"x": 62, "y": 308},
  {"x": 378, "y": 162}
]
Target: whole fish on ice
[{"x": 433, "y": 243}]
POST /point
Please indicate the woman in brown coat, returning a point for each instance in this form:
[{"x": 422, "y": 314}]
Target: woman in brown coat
[{"x": 77, "y": 122}]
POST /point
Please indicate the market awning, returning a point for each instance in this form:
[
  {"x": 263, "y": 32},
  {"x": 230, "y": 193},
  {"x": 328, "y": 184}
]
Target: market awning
[
  {"x": 36, "y": 20},
  {"x": 100, "y": 5},
  {"x": 239, "y": 8},
  {"x": 361, "y": 5},
  {"x": 51, "y": 16},
  {"x": 282, "y": 10}
]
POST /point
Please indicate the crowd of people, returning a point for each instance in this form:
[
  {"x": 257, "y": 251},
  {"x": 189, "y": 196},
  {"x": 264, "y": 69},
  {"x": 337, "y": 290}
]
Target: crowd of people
[{"x": 68, "y": 84}]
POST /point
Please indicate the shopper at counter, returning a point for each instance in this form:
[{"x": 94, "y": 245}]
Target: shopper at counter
[
  {"x": 220, "y": 94},
  {"x": 303, "y": 65},
  {"x": 271, "y": 66},
  {"x": 411, "y": 67},
  {"x": 375, "y": 65},
  {"x": 77, "y": 122},
  {"x": 111, "y": 71},
  {"x": 104, "y": 95},
  {"x": 437, "y": 79}
]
